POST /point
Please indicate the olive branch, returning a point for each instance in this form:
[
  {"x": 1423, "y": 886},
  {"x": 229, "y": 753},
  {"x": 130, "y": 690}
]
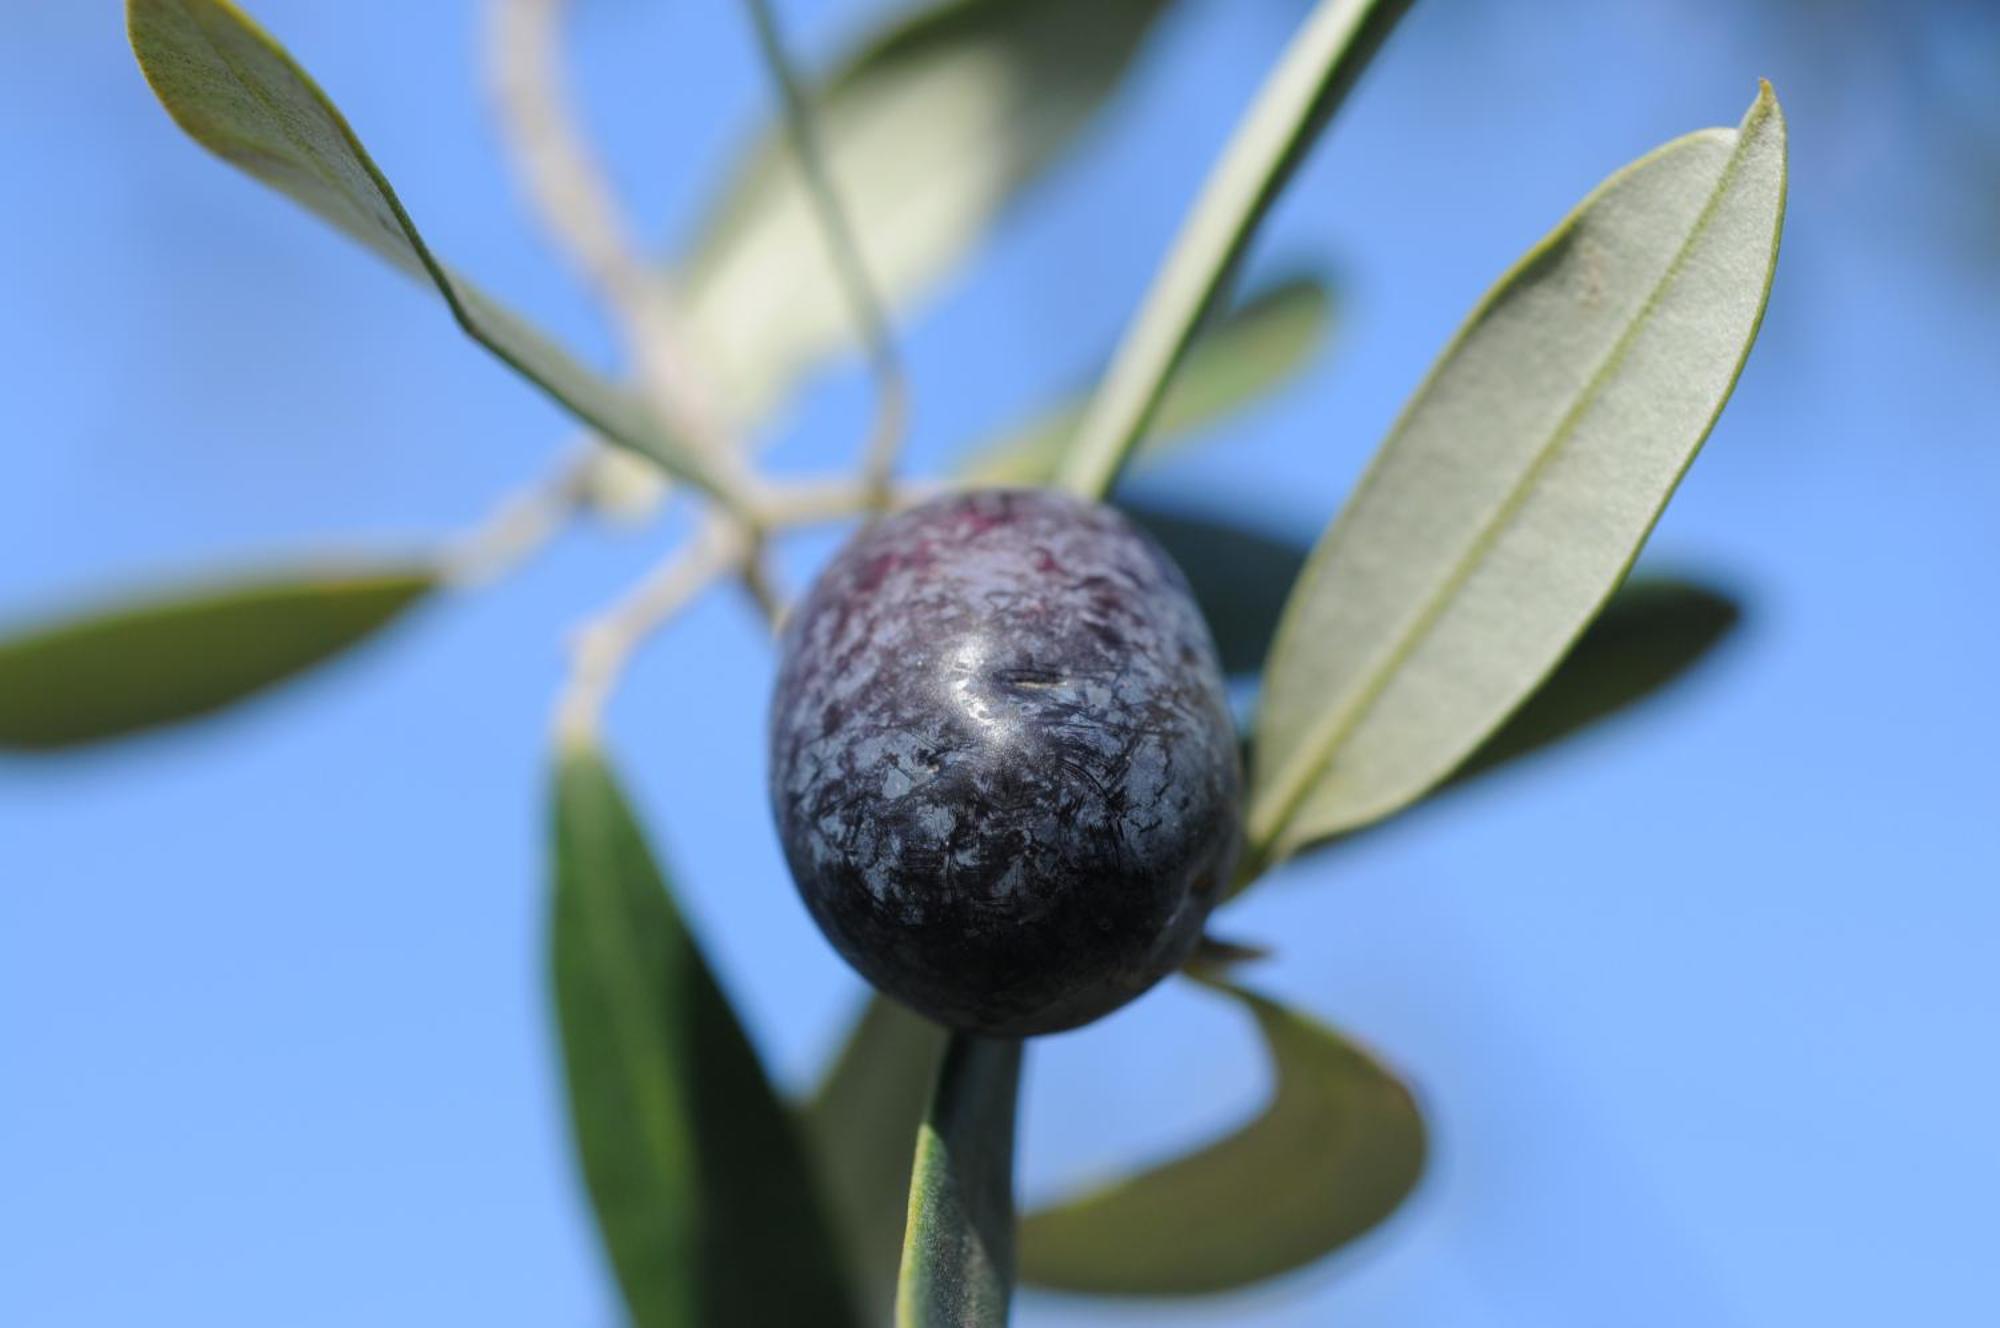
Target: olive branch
[{"x": 1467, "y": 606}]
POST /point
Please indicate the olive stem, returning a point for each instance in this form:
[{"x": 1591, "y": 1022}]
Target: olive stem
[
  {"x": 523, "y": 522},
  {"x": 819, "y": 502},
  {"x": 850, "y": 265},
  {"x": 560, "y": 173},
  {"x": 958, "y": 1265},
  {"x": 762, "y": 588},
  {"x": 604, "y": 646}
]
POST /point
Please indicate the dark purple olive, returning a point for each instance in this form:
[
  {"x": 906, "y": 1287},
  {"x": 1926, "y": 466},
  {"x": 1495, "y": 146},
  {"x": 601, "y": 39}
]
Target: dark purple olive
[{"x": 1002, "y": 764}]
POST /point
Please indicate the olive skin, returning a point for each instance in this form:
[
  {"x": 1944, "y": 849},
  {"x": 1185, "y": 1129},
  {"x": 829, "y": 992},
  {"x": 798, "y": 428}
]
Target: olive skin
[{"x": 1002, "y": 764}]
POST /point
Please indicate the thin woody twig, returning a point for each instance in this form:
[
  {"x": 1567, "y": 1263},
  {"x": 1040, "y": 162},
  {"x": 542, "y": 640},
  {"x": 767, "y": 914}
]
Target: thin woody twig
[
  {"x": 762, "y": 587},
  {"x": 816, "y": 502},
  {"x": 570, "y": 189},
  {"x": 522, "y": 523},
  {"x": 561, "y": 174},
  {"x": 573, "y": 194},
  {"x": 605, "y": 645},
  {"x": 844, "y": 250}
]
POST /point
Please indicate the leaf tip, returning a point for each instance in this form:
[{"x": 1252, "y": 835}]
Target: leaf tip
[
  {"x": 1216, "y": 956},
  {"x": 1765, "y": 107}
]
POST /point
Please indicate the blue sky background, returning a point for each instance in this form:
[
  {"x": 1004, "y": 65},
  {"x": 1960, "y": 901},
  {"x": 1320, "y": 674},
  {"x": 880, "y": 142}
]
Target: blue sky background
[{"x": 1703, "y": 1007}]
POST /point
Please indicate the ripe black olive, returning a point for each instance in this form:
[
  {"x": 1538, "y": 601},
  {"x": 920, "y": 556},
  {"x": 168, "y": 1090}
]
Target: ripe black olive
[{"x": 1002, "y": 764}]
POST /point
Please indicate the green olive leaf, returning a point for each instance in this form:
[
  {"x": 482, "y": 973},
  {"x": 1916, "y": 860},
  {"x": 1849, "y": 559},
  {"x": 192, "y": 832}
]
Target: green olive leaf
[
  {"x": 860, "y": 1124},
  {"x": 1318, "y": 69},
  {"x": 175, "y": 655},
  {"x": 1249, "y": 352},
  {"x": 928, "y": 132},
  {"x": 1518, "y": 486},
  {"x": 235, "y": 91},
  {"x": 1240, "y": 577},
  {"x": 958, "y": 1250},
  {"x": 700, "y": 1182},
  {"x": 1340, "y": 1145}
]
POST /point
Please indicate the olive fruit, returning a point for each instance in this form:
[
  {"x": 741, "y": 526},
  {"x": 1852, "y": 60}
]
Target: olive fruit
[{"x": 1002, "y": 764}]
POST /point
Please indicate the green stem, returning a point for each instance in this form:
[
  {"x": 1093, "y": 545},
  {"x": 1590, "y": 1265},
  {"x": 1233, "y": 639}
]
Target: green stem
[
  {"x": 843, "y": 248},
  {"x": 1318, "y": 69},
  {"x": 958, "y": 1246}
]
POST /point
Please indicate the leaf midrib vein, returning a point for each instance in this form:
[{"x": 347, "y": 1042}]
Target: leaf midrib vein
[{"x": 1327, "y": 737}]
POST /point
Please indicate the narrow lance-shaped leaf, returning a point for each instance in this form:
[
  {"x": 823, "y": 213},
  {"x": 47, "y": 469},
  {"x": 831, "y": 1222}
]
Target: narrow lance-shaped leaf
[
  {"x": 240, "y": 95},
  {"x": 929, "y": 130},
  {"x": 1519, "y": 484},
  {"x": 1249, "y": 352},
  {"x": 175, "y": 655},
  {"x": 862, "y": 1123},
  {"x": 701, "y": 1185},
  {"x": 1338, "y": 1148},
  {"x": 958, "y": 1250},
  {"x": 1322, "y": 64}
]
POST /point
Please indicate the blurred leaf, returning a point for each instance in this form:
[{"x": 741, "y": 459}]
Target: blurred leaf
[
  {"x": 958, "y": 1255},
  {"x": 1313, "y": 77},
  {"x": 1240, "y": 577},
  {"x": 1339, "y": 1147},
  {"x": 700, "y": 1182},
  {"x": 238, "y": 93},
  {"x": 174, "y": 656},
  {"x": 1216, "y": 956},
  {"x": 1516, "y": 489},
  {"x": 1652, "y": 631},
  {"x": 863, "y": 1127},
  {"x": 929, "y": 131},
  {"x": 1247, "y": 353}
]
